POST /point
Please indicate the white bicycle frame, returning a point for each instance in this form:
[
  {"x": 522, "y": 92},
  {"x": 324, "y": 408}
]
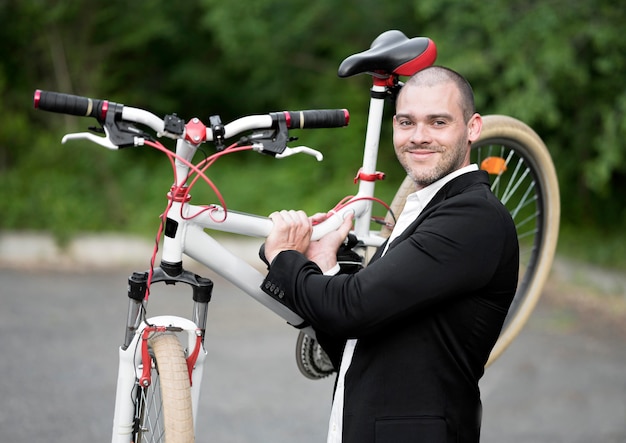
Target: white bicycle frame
[{"x": 191, "y": 240}]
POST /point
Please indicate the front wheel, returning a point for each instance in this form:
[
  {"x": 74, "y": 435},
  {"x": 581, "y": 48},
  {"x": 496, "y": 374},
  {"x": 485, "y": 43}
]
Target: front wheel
[
  {"x": 163, "y": 410},
  {"x": 524, "y": 179}
]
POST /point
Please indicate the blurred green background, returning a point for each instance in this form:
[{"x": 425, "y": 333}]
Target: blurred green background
[{"x": 557, "y": 65}]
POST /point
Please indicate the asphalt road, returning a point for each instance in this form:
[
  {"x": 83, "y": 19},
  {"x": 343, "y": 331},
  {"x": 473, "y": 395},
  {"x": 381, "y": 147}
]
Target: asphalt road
[{"x": 562, "y": 380}]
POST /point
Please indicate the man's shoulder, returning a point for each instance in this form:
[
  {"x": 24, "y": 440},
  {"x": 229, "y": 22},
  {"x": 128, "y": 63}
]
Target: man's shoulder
[
  {"x": 472, "y": 190},
  {"x": 464, "y": 185}
]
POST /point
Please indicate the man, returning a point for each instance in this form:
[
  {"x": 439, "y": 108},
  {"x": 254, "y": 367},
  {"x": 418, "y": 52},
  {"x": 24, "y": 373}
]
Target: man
[{"x": 411, "y": 332}]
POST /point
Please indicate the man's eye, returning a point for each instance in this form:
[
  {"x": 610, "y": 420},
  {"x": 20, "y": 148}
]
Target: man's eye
[{"x": 405, "y": 123}]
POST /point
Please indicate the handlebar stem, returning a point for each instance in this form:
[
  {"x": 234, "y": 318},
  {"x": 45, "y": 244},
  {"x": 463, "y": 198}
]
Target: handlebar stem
[
  {"x": 195, "y": 131},
  {"x": 186, "y": 151}
]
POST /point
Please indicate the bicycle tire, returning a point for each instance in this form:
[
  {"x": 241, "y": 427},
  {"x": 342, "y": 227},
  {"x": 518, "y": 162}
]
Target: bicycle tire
[
  {"x": 528, "y": 187},
  {"x": 163, "y": 411}
]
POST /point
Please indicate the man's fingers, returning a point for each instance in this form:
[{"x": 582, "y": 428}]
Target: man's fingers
[
  {"x": 319, "y": 217},
  {"x": 345, "y": 227},
  {"x": 291, "y": 222}
]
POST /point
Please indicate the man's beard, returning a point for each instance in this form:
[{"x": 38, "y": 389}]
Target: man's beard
[{"x": 451, "y": 160}]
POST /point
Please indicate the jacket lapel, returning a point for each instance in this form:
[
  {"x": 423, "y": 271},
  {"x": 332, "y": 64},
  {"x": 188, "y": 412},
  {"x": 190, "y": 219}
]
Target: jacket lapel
[{"x": 450, "y": 189}]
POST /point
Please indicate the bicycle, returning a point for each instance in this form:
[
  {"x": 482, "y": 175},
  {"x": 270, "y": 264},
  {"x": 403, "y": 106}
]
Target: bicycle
[{"x": 161, "y": 358}]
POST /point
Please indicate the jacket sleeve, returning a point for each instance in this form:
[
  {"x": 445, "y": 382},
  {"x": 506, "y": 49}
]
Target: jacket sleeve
[{"x": 454, "y": 251}]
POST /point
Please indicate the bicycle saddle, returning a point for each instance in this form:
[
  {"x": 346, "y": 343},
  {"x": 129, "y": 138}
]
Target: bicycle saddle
[{"x": 391, "y": 53}]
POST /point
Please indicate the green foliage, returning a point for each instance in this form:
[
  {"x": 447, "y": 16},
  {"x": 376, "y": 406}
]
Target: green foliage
[
  {"x": 554, "y": 64},
  {"x": 602, "y": 247}
]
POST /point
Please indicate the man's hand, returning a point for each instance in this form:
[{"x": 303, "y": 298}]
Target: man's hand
[
  {"x": 324, "y": 251},
  {"x": 292, "y": 231}
]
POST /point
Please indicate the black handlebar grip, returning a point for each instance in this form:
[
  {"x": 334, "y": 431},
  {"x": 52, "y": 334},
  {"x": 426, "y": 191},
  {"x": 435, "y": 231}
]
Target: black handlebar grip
[
  {"x": 317, "y": 118},
  {"x": 70, "y": 104}
]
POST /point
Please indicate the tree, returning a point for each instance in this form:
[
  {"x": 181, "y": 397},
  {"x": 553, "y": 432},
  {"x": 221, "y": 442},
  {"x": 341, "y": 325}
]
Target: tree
[
  {"x": 554, "y": 64},
  {"x": 557, "y": 66}
]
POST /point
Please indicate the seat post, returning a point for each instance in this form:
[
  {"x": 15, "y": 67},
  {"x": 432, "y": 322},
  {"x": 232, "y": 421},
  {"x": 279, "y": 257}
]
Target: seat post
[{"x": 370, "y": 153}]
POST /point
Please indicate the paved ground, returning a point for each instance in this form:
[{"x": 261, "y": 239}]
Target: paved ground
[{"x": 562, "y": 380}]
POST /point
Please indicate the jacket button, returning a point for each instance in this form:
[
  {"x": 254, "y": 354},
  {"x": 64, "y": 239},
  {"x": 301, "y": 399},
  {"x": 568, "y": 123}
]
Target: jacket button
[{"x": 282, "y": 294}]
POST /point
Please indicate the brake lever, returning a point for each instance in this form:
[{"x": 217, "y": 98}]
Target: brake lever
[
  {"x": 102, "y": 141},
  {"x": 301, "y": 150}
]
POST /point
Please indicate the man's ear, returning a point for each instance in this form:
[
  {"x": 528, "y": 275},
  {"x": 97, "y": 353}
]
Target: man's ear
[{"x": 474, "y": 126}]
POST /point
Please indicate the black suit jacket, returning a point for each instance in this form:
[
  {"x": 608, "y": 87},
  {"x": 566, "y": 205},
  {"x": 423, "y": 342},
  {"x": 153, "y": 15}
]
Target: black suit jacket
[{"x": 426, "y": 316}]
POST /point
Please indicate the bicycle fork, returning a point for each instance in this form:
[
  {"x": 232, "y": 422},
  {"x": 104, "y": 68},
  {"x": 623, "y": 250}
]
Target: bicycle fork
[{"x": 134, "y": 358}]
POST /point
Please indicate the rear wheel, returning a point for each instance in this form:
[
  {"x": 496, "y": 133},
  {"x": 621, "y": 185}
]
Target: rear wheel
[
  {"x": 523, "y": 178},
  {"x": 163, "y": 410}
]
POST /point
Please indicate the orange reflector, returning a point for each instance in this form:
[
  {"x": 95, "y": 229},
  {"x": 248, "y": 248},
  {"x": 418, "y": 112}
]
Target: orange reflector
[{"x": 493, "y": 165}]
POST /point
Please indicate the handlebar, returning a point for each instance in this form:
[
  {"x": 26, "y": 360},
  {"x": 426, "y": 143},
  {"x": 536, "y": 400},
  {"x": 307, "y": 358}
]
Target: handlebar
[
  {"x": 107, "y": 112},
  {"x": 70, "y": 104},
  {"x": 313, "y": 119}
]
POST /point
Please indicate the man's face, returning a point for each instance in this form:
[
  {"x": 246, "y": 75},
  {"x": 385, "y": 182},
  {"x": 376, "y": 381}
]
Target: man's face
[{"x": 430, "y": 136}]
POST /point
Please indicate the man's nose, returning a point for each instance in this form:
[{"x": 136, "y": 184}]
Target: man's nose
[{"x": 420, "y": 135}]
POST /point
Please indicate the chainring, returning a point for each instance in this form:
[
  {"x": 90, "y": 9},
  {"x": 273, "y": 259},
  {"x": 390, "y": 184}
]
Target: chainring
[{"x": 312, "y": 360}]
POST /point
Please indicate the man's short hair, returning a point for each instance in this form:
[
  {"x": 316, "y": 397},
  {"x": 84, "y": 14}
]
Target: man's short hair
[{"x": 434, "y": 75}]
